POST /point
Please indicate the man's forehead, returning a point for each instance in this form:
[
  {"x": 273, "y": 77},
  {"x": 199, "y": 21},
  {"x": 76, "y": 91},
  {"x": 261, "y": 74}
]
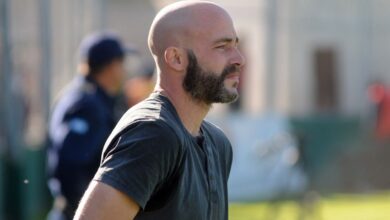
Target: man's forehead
[{"x": 219, "y": 34}]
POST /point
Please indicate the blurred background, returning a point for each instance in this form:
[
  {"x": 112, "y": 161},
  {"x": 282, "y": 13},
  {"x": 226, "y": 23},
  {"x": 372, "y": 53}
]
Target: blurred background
[{"x": 310, "y": 133}]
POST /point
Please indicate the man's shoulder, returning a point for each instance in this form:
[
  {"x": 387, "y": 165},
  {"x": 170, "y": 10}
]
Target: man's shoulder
[
  {"x": 155, "y": 128},
  {"x": 213, "y": 130},
  {"x": 153, "y": 109},
  {"x": 78, "y": 94},
  {"x": 151, "y": 114},
  {"x": 151, "y": 132},
  {"x": 76, "y": 104}
]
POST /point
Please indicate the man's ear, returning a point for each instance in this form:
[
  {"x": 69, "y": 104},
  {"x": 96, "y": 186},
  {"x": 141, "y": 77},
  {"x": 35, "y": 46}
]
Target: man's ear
[{"x": 175, "y": 58}]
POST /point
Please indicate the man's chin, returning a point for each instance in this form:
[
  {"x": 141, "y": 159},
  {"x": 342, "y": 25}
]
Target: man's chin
[{"x": 229, "y": 97}]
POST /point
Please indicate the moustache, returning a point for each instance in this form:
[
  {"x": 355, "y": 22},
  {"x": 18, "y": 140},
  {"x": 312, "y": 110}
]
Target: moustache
[{"x": 233, "y": 68}]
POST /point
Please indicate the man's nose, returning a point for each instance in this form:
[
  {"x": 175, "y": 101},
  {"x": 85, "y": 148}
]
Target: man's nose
[{"x": 238, "y": 58}]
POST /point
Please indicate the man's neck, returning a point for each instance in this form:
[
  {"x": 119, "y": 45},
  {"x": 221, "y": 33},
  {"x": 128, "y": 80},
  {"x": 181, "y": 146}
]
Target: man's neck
[{"x": 190, "y": 111}]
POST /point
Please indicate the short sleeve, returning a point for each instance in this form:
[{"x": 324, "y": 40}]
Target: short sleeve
[{"x": 140, "y": 159}]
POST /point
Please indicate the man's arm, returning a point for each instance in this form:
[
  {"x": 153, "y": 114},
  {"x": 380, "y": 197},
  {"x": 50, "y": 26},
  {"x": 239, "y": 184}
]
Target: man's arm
[{"x": 101, "y": 202}]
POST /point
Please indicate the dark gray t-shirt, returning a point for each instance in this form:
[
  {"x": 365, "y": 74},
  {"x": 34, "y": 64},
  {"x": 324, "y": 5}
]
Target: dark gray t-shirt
[{"x": 153, "y": 159}]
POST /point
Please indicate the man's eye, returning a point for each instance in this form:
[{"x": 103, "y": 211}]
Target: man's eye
[{"x": 220, "y": 47}]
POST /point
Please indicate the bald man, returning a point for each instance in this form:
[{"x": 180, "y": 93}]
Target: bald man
[{"x": 163, "y": 160}]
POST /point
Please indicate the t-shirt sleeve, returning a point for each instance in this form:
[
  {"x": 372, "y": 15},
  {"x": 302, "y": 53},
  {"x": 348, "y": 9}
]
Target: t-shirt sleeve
[{"x": 140, "y": 159}]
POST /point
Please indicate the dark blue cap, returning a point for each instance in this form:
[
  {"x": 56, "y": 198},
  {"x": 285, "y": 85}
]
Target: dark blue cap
[{"x": 101, "y": 48}]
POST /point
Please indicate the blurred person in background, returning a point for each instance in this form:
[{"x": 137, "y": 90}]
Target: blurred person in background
[
  {"x": 163, "y": 160},
  {"x": 379, "y": 94},
  {"x": 82, "y": 119},
  {"x": 138, "y": 87}
]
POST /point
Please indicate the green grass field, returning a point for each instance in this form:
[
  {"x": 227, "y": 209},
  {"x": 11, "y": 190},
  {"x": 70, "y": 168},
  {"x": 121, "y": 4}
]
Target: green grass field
[{"x": 334, "y": 207}]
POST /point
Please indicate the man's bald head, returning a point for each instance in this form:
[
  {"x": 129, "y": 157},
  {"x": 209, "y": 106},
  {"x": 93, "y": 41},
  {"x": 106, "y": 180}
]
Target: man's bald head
[
  {"x": 195, "y": 47},
  {"x": 179, "y": 24}
]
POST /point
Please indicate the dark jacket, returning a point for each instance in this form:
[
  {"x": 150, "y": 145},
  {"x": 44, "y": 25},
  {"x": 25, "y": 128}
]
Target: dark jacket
[{"x": 81, "y": 121}]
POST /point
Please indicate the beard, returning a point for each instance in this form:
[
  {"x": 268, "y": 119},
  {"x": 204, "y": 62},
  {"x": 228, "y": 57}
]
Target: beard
[{"x": 207, "y": 87}]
